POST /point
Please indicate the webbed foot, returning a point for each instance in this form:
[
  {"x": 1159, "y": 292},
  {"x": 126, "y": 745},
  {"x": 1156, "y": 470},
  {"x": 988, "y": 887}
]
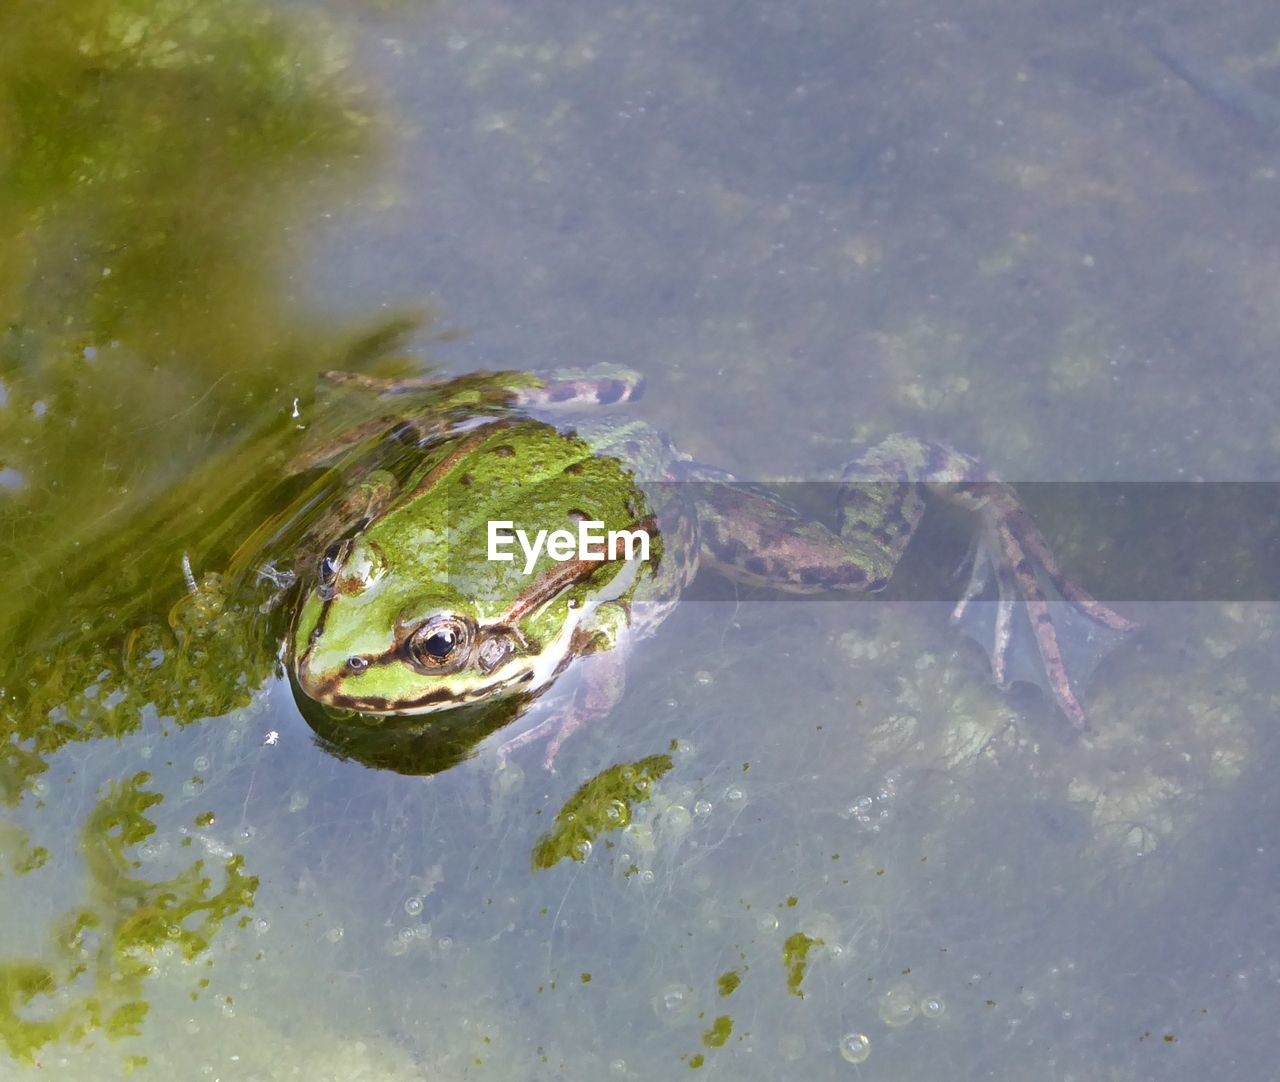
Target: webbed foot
[{"x": 1070, "y": 628}]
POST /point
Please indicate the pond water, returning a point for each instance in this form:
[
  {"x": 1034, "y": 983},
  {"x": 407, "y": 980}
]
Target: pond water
[{"x": 812, "y": 839}]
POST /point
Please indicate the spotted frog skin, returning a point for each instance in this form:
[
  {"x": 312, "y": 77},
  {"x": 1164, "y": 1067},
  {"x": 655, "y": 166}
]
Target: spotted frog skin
[{"x": 402, "y": 611}]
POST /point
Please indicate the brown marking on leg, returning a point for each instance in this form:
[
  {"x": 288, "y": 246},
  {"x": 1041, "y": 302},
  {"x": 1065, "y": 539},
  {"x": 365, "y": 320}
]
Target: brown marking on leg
[{"x": 1028, "y": 534}]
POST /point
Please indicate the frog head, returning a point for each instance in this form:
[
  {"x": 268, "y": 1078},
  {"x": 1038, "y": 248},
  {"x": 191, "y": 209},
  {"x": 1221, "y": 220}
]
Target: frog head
[
  {"x": 413, "y": 613},
  {"x": 381, "y": 641},
  {"x": 406, "y": 634}
]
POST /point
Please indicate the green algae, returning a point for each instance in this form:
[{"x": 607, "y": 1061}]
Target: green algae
[
  {"x": 604, "y": 803},
  {"x": 719, "y": 1032},
  {"x": 155, "y": 153},
  {"x": 795, "y": 959},
  {"x": 102, "y": 952},
  {"x": 727, "y": 983}
]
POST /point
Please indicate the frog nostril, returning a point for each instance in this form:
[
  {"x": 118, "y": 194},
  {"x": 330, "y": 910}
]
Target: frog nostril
[{"x": 357, "y": 664}]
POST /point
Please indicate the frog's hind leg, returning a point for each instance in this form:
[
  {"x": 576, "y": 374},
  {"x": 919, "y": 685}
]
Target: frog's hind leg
[
  {"x": 1016, "y": 577},
  {"x": 1028, "y": 536},
  {"x": 1023, "y": 555},
  {"x": 1009, "y": 544},
  {"x": 981, "y": 569}
]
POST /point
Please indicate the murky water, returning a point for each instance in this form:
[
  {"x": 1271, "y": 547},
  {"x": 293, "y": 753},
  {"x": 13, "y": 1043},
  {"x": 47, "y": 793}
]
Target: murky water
[{"x": 813, "y": 840}]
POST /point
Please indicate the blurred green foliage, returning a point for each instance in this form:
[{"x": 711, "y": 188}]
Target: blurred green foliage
[
  {"x": 156, "y": 159},
  {"x": 154, "y": 155}
]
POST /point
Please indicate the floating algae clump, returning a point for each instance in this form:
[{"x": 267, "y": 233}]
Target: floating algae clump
[
  {"x": 795, "y": 956},
  {"x": 602, "y": 804}
]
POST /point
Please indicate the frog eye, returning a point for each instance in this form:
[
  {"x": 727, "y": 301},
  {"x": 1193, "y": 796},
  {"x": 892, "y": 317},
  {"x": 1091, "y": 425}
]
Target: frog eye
[
  {"x": 331, "y": 563},
  {"x": 439, "y": 641}
]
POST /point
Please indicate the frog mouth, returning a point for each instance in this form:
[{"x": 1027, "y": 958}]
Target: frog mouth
[{"x": 326, "y": 690}]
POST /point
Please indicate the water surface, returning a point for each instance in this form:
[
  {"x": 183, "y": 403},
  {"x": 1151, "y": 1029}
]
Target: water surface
[{"x": 1017, "y": 230}]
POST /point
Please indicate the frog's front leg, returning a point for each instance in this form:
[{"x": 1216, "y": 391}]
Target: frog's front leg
[
  {"x": 601, "y": 679},
  {"x": 1009, "y": 544},
  {"x": 599, "y": 689}
]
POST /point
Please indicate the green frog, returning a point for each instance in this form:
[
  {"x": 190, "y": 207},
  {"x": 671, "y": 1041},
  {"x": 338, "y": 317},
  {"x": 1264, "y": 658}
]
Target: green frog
[{"x": 496, "y": 530}]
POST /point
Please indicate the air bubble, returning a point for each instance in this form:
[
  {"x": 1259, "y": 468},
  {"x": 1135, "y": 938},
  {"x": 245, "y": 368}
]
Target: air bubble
[
  {"x": 674, "y": 1004},
  {"x": 647, "y": 876},
  {"x": 855, "y": 1047},
  {"x": 824, "y": 928},
  {"x": 581, "y": 849},
  {"x": 766, "y": 923},
  {"x": 734, "y": 795},
  {"x": 676, "y": 819},
  {"x": 334, "y": 934},
  {"x": 898, "y": 1006},
  {"x": 262, "y": 926},
  {"x": 932, "y": 1007},
  {"x": 618, "y": 1067},
  {"x": 702, "y": 808},
  {"x": 413, "y": 905},
  {"x": 405, "y": 935},
  {"x": 200, "y": 764}
]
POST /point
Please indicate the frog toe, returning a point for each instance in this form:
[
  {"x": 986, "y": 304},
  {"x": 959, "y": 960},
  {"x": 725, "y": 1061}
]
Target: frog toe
[{"x": 1041, "y": 628}]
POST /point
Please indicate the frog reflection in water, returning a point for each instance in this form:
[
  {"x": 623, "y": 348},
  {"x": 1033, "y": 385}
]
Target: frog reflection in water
[{"x": 405, "y": 613}]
